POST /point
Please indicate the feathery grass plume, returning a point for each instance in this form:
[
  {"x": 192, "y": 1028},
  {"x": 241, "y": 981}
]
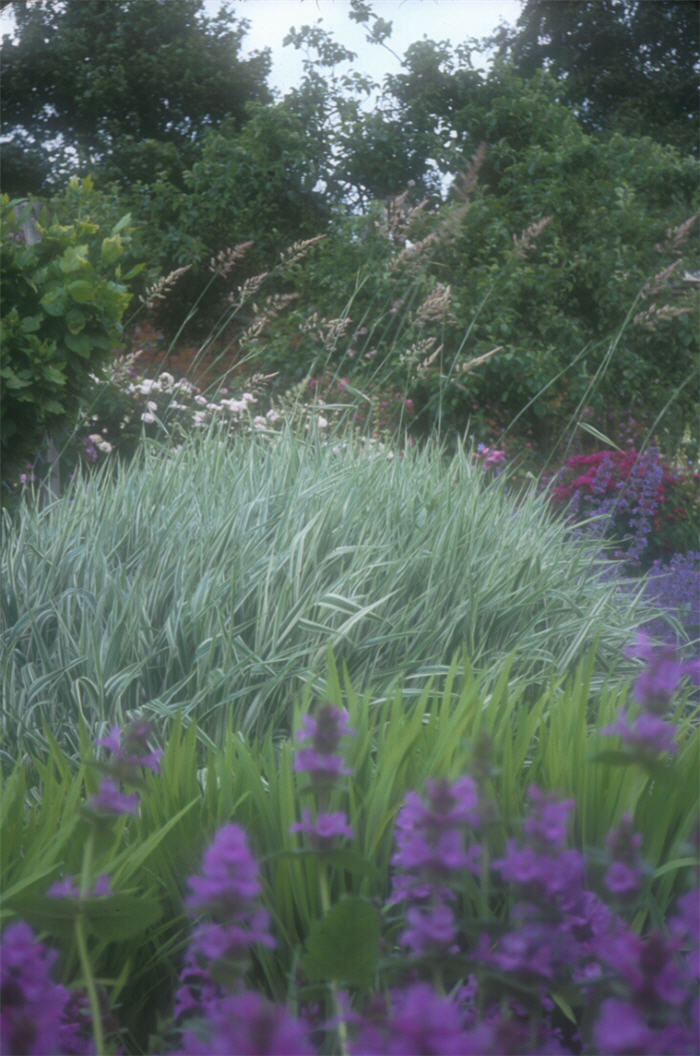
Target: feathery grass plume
[
  {"x": 298, "y": 250},
  {"x": 660, "y": 281},
  {"x": 160, "y": 289},
  {"x": 676, "y": 236},
  {"x": 224, "y": 261},
  {"x": 262, "y": 317},
  {"x": 435, "y": 308},
  {"x": 411, "y": 255},
  {"x": 249, "y": 289},
  {"x": 466, "y": 368},
  {"x": 655, "y": 315},
  {"x": 327, "y": 331},
  {"x": 529, "y": 236},
  {"x": 400, "y": 216}
]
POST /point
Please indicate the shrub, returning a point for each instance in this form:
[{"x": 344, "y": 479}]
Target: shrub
[
  {"x": 648, "y": 508},
  {"x": 63, "y": 299}
]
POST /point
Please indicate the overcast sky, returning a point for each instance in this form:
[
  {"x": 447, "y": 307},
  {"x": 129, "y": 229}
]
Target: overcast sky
[
  {"x": 271, "y": 20},
  {"x": 453, "y": 20}
]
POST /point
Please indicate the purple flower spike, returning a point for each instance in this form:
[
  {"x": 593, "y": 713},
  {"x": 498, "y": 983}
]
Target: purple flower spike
[
  {"x": 324, "y": 730},
  {"x": 649, "y": 735},
  {"x": 326, "y": 830},
  {"x": 323, "y": 767},
  {"x": 621, "y": 1029},
  {"x": 246, "y": 1023},
  {"x": 68, "y": 888},
  {"x": 229, "y": 883},
  {"x": 549, "y": 819},
  {"x": 130, "y": 749},
  {"x": 33, "y": 1005},
  {"x": 109, "y": 800},
  {"x": 624, "y": 875},
  {"x": 655, "y": 687},
  {"x": 430, "y": 929}
]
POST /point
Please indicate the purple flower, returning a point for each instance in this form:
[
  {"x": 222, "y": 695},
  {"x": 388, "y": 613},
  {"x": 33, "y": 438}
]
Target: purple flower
[
  {"x": 32, "y": 1007},
  {"x": 548, "y": 821},
  {"x": 420, "y": 1021},
  {"x": 624, "y": 875},
  {"x": 620, "y": 1029},
  {"x": 232, "y": 941},
  {"x": 325, "y": 830},
  {"x": 431, "y": 929},
  {"x": 649, "y": 736},
  {"x": 325, "y": 768},
  {"x": 130, "y": 750},
  {"x": 228, "y": 891},
  {"x": 324, "y": 730},
  {"x": 230, "y": 882},
  {"x": 656, "y": 685},
  {"x": 246, "y": 1023},
  {"x": 109, "y": 800},
  {"x": 622, "y": 879},
  {"x": 68, "y": 888}
]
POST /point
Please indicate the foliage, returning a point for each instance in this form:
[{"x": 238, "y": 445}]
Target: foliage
[
  {"x": 622, "y": 65},
  {"x": 648, "y": 508},
  {"x": 119, "y": 84},
  {"x": 397, "y": 744},
  {"x": 64, "y": 298},
  {"x": 217, "y": 576}
]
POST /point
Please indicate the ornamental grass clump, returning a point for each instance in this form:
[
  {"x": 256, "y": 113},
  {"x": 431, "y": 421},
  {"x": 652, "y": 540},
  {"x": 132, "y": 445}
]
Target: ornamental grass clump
[{"x": 213, "y": 580}]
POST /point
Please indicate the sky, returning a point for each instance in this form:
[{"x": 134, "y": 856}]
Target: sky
[
  {"x": 270, "y": 21},
  {"x": 452, "y": 20}
]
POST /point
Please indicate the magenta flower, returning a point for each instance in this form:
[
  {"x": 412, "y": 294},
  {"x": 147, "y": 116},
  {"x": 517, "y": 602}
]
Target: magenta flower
[
  {"x": 325, "y": 830},
  {"x": 620, "y": 1028},
  {"x": 33, "y": 1005},
  {"x": 624, "y": 875},
  {"x": 109, "y": 800},
  {"x": 130, "y": 750},
  {"x": 246, "y": 1023},
  {"x": 68, "y": 888},
  {"x": 649, "y": 735},
  {"x": 324, "y": 730},
  {"x": 229, "y": 882},
  {"x": 227, "y": 891},
  {"x": 656, "y": 685},
  {"x": 548, "y": 820},
  {"x": 431, "y": 929}
]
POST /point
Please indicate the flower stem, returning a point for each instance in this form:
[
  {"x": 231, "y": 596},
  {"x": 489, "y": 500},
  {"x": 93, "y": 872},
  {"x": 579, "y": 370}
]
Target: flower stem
[
  {"x": 325, "y": 906},
  {"x": 81, "y": 941}
]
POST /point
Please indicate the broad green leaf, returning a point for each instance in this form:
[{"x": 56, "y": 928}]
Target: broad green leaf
[
  {"x": 75, "y": 321},
  {"x": 54, "y": 300},
  {"x": 111, "y": 250},
  {"x": 75, "y": 258},
  {"x": 82, "y": 291},
  {"x": 80, "y": 343},
  {"x": 344, "y": 945}
]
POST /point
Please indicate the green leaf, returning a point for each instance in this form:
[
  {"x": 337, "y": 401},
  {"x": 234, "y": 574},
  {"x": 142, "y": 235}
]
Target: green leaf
[
  {"x": 75, "y": 321},
  {"x": 79, "y": 343},
  {"x": 121, "y": 224},
  {"x": 112, "y": 919},
  {"x": 82, "y": 291},
  {"x": 112, "y": 249},
  {"x": 31, "y": 323},
  {"x": 54, "y": 301},
  {"x": 75, "y": 258},
  {"x": 344, "y": 945}
]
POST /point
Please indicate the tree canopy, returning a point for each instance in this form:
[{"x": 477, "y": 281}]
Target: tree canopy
[
  {"x": 119, "y": 84},
  {"x": 625, "y": 65}
]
